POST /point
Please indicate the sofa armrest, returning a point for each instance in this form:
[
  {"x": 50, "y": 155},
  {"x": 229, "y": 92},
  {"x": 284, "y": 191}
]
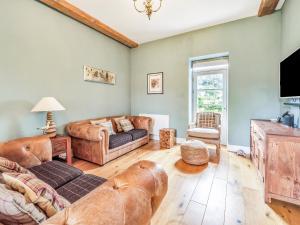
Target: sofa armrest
[
  {"x": 140, "y": 122},
  {"x": 28, "y": 152},
  {"x": 87, "y": 131},
  {"x": 130, "y": 198}
]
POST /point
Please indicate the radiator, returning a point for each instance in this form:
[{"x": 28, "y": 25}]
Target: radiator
[{"x": 158, "y": 122}]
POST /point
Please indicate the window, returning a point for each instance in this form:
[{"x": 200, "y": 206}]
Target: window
[{"x": 209, "y": 93}]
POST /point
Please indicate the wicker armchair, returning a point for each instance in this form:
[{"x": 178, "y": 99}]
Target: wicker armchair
[{"x": 207, "y": 128}]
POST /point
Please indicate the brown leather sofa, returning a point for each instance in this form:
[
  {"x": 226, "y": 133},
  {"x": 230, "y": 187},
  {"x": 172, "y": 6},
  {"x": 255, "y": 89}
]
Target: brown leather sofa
[
  {"x": 130, "y": 198},
  {"x": 92, "y": 143}
]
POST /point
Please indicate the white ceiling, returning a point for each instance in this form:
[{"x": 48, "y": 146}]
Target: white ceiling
[{"x": 175, "y": 16}]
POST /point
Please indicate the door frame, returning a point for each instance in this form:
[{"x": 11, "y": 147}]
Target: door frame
[
  {"x": 224, "y": 112},
  {"x": 190, "y": 96}
]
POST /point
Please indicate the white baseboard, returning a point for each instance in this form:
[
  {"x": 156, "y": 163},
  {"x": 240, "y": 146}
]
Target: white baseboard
[
  {"x": 154, "y": 137},
  {"x": 235, "y": 148},
  {"x": 180, "y": 140}
]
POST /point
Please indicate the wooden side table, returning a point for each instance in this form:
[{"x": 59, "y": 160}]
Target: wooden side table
[
  {"x": 60, "y": 145},
  {"x": 167, "y": 137}
]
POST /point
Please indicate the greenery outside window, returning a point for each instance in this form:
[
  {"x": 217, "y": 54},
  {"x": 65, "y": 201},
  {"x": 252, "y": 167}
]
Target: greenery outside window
[{"x": 210, "y": 93}]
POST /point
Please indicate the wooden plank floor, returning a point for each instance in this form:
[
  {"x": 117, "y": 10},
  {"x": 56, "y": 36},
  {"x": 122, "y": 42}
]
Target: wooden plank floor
[{"x": 226, "y": 191}]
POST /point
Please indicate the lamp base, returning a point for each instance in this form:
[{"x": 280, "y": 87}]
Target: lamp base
[{"x": 50, "y": 125}]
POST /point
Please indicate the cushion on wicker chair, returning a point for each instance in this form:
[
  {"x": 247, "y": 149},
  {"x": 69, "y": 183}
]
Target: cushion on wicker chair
[{"x": 204, "y": 133}]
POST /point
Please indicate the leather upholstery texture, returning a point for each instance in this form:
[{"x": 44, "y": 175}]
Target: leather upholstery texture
[
  {"x": 28, "y": 152},
  {"x": 92, "y": 142},
  {"x": 130, "y": 198}
]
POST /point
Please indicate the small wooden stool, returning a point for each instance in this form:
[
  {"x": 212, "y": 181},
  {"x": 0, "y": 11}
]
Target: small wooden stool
[
  {"x": 167, "y": 137},
  {"x": 194, "y": 152}
]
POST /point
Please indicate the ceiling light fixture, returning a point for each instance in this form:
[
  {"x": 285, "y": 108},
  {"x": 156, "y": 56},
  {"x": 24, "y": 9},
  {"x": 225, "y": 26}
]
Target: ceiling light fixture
[{"x": 148, "y": 7}]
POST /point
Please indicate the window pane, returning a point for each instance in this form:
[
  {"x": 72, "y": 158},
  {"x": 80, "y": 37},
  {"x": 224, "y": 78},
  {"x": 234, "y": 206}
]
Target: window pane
[
  {"x": 210, "y": 101},
  {"x": 212, "y": 81}
]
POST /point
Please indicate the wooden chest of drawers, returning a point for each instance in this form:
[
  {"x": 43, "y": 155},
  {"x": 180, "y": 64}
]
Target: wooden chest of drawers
[{"x": 275, "y": 152}]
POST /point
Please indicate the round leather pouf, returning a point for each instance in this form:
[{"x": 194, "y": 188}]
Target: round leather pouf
[{"x": 194, "y": 152}]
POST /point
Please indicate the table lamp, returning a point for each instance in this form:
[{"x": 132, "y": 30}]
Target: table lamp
[{"x": 49, "y": 105}]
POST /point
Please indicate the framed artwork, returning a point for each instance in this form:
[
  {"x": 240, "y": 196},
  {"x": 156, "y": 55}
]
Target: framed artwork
[
  {"x": 155, "y": 83},
  {"x": 99, "y": 75}
]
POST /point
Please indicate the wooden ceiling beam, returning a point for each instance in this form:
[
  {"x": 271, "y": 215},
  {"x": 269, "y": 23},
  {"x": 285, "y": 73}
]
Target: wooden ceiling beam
[
  {"x": 70, "y": 10},
  {"x": 267, "y": 7}
]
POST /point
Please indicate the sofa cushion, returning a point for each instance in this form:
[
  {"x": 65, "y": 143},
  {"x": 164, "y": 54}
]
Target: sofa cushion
[
  {"x": 14, "y": 209},
  {"x": 126, "y": 125},
  {"x": 119, "y": 139},
  {"x": 97, "y": 122},
  {"x": 204, "y": 133},
  {"x": 36, "y": 191},
  {"x": 137, "y": 133},
  {"x": 117, "y": 122},
  {"x": 55, "y": 173},
  {"x": 7, "y": 165},
  {"x": 80, "y": 186},
  {"x": 109, "y": 126}
]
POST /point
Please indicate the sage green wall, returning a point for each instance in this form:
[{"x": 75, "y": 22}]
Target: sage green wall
[
  {"x": 42, "y": 53},
  {"x": 254, "y": 48},
  {"x": 290, "y": 27}
]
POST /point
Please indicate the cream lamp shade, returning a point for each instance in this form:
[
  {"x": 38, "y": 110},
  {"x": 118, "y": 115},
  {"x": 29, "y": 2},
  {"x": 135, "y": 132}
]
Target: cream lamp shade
[{"x": 49, "y": 105}]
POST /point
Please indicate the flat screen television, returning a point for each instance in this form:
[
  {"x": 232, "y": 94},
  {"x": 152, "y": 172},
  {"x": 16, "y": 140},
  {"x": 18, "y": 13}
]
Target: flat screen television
[{"x": 290, "y": 76}]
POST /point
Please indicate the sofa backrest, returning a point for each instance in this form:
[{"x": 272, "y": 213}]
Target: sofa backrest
[
  {"x": 138, "y": 121},
  {"x": 28, "y": 152},
  {"x": 141, "y": 122}
]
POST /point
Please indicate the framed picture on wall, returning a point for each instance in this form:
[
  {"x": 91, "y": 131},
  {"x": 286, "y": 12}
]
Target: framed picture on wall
[{"x": 155, "y": 83}]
